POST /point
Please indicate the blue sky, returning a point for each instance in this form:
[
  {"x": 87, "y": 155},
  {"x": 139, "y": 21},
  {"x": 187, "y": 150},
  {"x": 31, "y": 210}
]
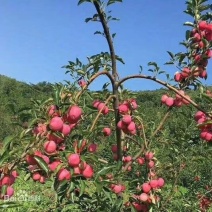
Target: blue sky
[{"x": 38, "y": 37}]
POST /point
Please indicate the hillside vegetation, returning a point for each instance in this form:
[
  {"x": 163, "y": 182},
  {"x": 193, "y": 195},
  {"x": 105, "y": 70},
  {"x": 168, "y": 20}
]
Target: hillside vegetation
[
  {"x": 177, "y": 144},
  {"x": 15, "y": 96}
]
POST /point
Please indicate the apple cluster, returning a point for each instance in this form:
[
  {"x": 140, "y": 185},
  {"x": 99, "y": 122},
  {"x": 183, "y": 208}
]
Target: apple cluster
[
  {"x": 200, "y": 37},
  {"x": 101, "y": 106},
  {"x": 82, "y": 83},
  {"x": 204, "y": 124},
  {"x": 178, "y": 101},
  {"x": 6, "y": 182},
  {"x": 54, "y": 132},
  {"x": 147, "y": 193}
]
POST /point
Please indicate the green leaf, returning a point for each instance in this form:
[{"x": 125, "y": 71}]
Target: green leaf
[
  {"x": 71, "y": 187},
  {"x": 190, "y": 12},
  {"x": 152, "y": 64},
  {"x": 169, "y": 63},
  {"x": 170, "y": 54},
  {"x": 42, "y": 163},
  {"x": 60, "y": 186},
  {"x": 113, "y": 1},
  {"x": 82, "y": 187},
  {"x": 83, "y": 1},
  {"x": 81, "y": 72},
  {"x": 181, "y": 58},
  {"x": 105, "y": 85},
  {"x": 207, "y": 97},
  {"x": 117, "y": 205},
  {"x": 7, "y": 140},
  {"x": 204, "y": 7},
  {"x": 120, "y": 59},
  {"x": 205, "y": 42},
  {"x": 5, "y": 153},
  {"x": 141, "y": 69},
  {"x": 161, "y": 72},
  {"x": 9, "y": 204},
  {"x": 132, "y": 208},
  {"x": 47, "y": 101},
  {"x": 4, "y": 156},
  {"x": 115, "y": 19},
  {"x": 104, "y": 171},
  {"x": 108, "y": 194},
  {"x": 98, "y": 32},
  {"x": 27, "y": 176},
  {"x": 88, "y": 19},
  {"x": 4, "y": 189},
  {"x": 98, "y": 186},
  {"x": 188, "y": 24},
  {"x": 150, "y": 70},
  {"x": 182, "y": 190},
  {"x": 188, "y": 33},
  {"x": 167, "y": 76},
  {"x": 119, "y": 165}
]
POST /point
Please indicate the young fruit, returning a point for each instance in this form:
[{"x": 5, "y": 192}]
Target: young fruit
[
  {"x": 82, "y": 83},
  {"x": 178, "y": 77},
  {"x": 131, "y": 126},
  {"x": 126, "y": 119},
  {"x": 153, "y": 183},
  {"x": 73, "y": 160},
  {"x": 117, "y": 189},
  {"x": 77, "y": 170},
  {"x": 74, "y": 114},
  {"x": 127, "y": 158},
  {"x": 88, "y": 171},
  {"x": 149, "y": 155},
  {"x": 123, "y": 108},
  {"x": 164, "y": 98},
  {"x": 53, "y": 166},
  {"x": 64, "y": 174},
  {"x": 141, "y": 161},
  {"x": 56, "y": 124},
  {"x": 151, "y": 164},
  {"x": 146, "y": 188},
  {"x": 42, "y": 179},
  {"x": 96, "y": 103},
  {"x": 107, "y": 131},
  {"x": 10, "y": 191},
  {"x": 66, "y": 129},
  {"x": 161, "y": 182},
  {"x": 133, "y": 104},
  {"x": 53, "y": 110},
  {"x": 50, "y": 147},
  {"x": 121, "y": 125},
  {"x": 7, "y": 180},
  {"x": 36, "y": 176},
  {"x": 169, "y": 101},
  {"x": 143, "y": 197},
  {"x": 114, "y": 148},
  {"x": 30, "y": 160},
  {"x": 92, "y": 148}
]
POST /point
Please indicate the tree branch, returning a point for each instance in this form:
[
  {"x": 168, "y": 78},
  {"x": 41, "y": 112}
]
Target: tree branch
[
  {"x": 108, "y": 38},
  {"x": 115, "y": 76},
  {"x": 165, "y": 85},
  {"x": 92, "y": 79}
]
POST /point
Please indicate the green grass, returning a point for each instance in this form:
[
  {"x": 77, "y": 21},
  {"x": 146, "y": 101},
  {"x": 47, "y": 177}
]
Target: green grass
[{"x": 38, "y": 197}]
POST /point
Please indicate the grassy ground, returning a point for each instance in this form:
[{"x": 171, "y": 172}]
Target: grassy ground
[{"x": 31, "y": 196}]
